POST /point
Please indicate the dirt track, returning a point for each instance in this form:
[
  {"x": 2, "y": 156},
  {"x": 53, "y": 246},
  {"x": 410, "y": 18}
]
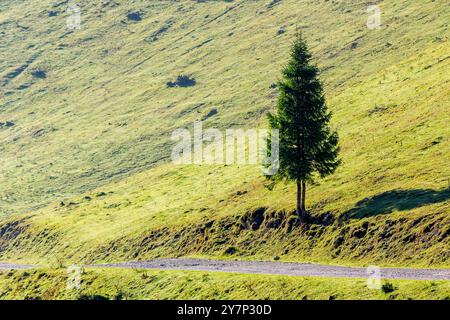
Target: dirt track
[
  {"x": 15, "y": 266},
  {"x": 267, "y": 267},
  {"x": 282, "y": 268}
]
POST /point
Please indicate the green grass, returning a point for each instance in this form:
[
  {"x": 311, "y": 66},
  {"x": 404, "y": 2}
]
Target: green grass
[
  {"x": 141, "y": 284},
  {"x": 102, "y": 118},
  {"x": 129, "y": 222}
]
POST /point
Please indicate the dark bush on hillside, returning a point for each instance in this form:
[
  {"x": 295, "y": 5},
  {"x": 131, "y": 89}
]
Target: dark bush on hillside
[
  {"x": 134, "y": 16},
  {"x": 387, "y": 287},
  {"x": 7, "y": 124},
  {"x": 40, "y": 74},
  {"x": 182, "y": 81},
  {"x": 273, "y": 3},
  {"x": 230, "y": 251},
  {"x": 210, "y": 114}
]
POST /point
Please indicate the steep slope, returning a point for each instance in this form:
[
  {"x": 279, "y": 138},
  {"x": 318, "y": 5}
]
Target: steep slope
[{"x": 90, "y": 118}]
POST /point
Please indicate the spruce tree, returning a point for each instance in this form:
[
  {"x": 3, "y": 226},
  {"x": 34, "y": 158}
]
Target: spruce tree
[{"x": 308, "y": 147}]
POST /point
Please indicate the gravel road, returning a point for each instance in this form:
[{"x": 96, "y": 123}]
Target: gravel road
[
  {"x": 282, "y": 268},
  {"x": 267, "y": 267},
  {"x": 15, "y": 266}
]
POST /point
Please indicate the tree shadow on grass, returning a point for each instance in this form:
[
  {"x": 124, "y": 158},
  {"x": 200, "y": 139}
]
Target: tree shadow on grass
[{"x": 401, "y": 200}]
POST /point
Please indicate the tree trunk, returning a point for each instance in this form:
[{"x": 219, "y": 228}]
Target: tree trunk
[
  {"x": 303, "y": 205},
  {"x": 299, "y": 200},
  {"x": 303, "y": 196}
]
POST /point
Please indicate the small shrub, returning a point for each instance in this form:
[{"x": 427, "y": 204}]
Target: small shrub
[
  {"x": 7, "y": 124},
  {"x": 210, "y": 114},
  {"x": 388, "y": 287},
  {"x": 134, "y": 16},
  {"x": 182, "y": 81},
  {"x": 40, "y": 74},
  {"x": 230, "y": 251}
]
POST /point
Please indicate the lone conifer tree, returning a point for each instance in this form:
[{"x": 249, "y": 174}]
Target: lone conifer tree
[{"x": 307, "y": 144}]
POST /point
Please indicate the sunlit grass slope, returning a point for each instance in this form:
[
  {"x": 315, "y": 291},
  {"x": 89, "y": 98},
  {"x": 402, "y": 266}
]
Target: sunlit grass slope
[
  {"x": 154, "y": 284},
  {"x": 88, "y": 153}
]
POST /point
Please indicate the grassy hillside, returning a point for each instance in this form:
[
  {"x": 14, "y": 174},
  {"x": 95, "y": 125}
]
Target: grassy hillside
[
  {"x": 85, "y": 171},
  {"x": 141, "y": 284}
]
